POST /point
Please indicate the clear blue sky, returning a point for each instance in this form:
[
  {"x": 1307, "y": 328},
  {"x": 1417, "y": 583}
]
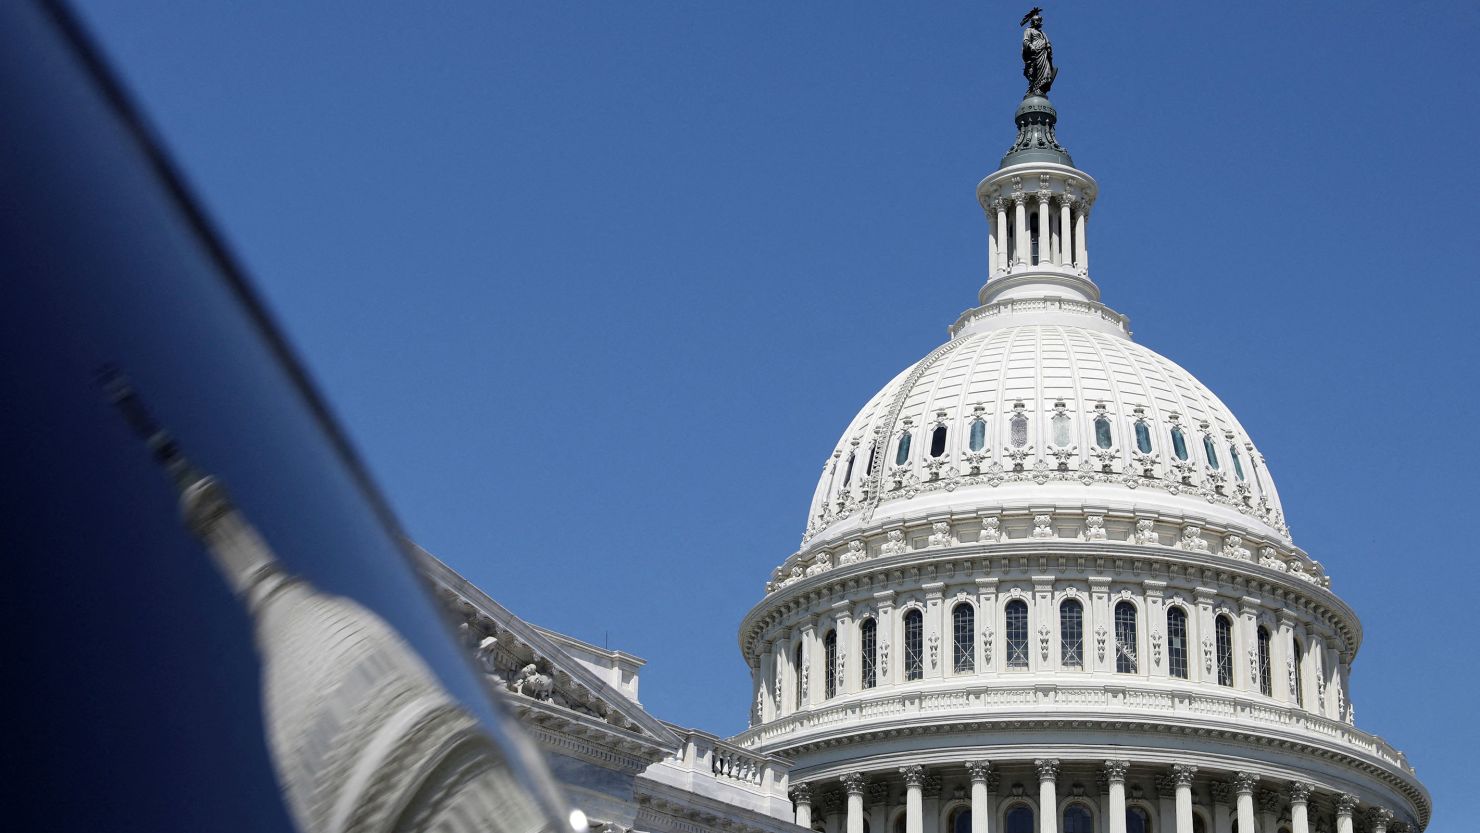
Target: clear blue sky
[{"x": 594, "y": 287}]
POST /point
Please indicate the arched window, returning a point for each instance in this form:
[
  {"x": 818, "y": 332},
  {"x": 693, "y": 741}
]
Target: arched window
[
  {"x": 1020, "y": 819},
  {"x": 1125, "y": 638},
  {"x": 902, "y": 456},
  {"x": 1179, "y": 443},
  {"x": 961, "y": 820},
  {"x": 1198, "y": 825},
  {"x": 1137, "y": 820},
  {"x": 1265, "y": 684},
  {"x": 1103, "y": 438},
  {"x": 1017, "y": 633},
  {"x": 1143, "y": 437},
  {"x": 899, "y": 822},
  {"x": 848, "y": 472},
  {"x": 978, "y": 434},
  {"x": 938, "y": 441},
  {"x": 868, "y": 468},
  {"x": 1224, "y": 628},
  {"x": 963, "y": 630},
  {"x": 797, "y": 676},
  {"x": 830, "y": 656},
  {"x": 1061, "y": 425},
  {"x": 868, "y": 645},
  {"x": 1077, "y": 819},
  {"x": 1177, "y": 642},
  {"x": 914, "y": 644},
  {"x": 1071, "y": 634},
  {"x": 1019, "y": 427},
  {"x": 1299, "y": 674},
  {"x": 1238, "y": 462},
  {"x": 1210, "y": 450}
]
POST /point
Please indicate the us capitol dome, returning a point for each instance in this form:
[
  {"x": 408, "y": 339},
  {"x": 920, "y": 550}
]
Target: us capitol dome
[{"x": 1046, "y": 583}]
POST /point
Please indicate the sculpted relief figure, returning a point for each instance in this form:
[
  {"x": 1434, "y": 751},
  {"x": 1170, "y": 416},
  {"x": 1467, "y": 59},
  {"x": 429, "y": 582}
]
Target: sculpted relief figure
[{"x": 1038, "y": 65}]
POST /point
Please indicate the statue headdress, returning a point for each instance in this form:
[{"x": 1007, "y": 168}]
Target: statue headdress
[{"x": 1029, "y": 16}]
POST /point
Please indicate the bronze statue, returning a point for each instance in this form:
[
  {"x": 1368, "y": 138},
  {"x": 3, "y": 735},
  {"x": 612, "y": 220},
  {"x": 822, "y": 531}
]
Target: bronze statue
[{"x": 1038, "y": 65}]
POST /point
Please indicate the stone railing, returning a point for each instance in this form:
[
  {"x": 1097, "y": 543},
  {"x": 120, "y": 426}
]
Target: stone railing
[
  {"x": 1116, "y": 702},
  {"x": 710, "y": 766}
]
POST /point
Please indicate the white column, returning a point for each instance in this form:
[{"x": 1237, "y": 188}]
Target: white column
[
  {"x": 914, "y": 779},
  {"x": 1115, "y": 776},
  {"x": 1081, "y": 219},
  {"x": 853, "y": 782},
  {"x": 802, "y": 795},
  {"x": 1345, "y": 805},
  {"x": 1003, "y": 263},
  {"x": 1066, "y": 231},
  {"x": 1048, "y": 802},
  {"x": 1020, "y": 249},
  {"x": 1045, "y": 238},
  {"x": 981, "y": 796},
  {"x": 1243, "y": 785},
  {"x": 1182, "y": 775},
  {"x": 994, "y": 237},
  {"x": 1299, "y": 807}
]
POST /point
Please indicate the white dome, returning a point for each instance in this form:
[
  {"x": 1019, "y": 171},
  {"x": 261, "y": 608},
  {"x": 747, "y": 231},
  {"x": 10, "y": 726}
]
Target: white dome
[{"x": 1057, "y": 378}]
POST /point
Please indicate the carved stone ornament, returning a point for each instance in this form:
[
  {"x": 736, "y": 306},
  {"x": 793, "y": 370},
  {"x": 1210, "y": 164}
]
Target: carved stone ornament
[
  {"x": 884, "y": 660},
  {"x": 1043, "y": 638},
  {"x": 1270, "y": 801},
  {"x": 1379, "y": 817},
  {"x": 1233, "y": 547},
  {"x": 857, "y": 551},
  {"x": 987, "y": 646},
  {"x": 894, "y": 543},
  {"x": 806, "y": 680},
  {"x": 532, "y": 682},
  {"x": 914, "y": 776},
  {"x": 1207, "y": 646},
  {"x": 1145, "y": 532},
  {"x": 1100, "y": 636},
  {"x": 1192, "y": 539},
  {"x": 1222, "y": 792},
  {"x": 801, "y": 794},
  {"x": 1115, "y": 771},
  {"x": 1043, "y": 527},
  {"x": 978, "y": 770},
  {"x": 1156, "y": 647},
  {"x": 934, "y": 650},
  {"x": 931, "y": 789},
  {"x": 940, "y": 535},
  {"x": 1094, "y": 528},
  {"x": 991, "y": 530},
  {"x": 878, "y": 793},
  {"x": 1182, "y": 774},
  {"x": 854, "y": 783},
  {"x": 1346, "y": 803}
]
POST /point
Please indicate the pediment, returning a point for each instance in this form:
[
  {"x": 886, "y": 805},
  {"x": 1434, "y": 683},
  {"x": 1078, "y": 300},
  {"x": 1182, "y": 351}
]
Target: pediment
[{"x": 523, "y": 661}]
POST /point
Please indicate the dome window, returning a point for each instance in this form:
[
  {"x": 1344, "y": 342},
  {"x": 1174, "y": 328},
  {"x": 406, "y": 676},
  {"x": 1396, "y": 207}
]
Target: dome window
[
  {"x": 868, "y": 469},
  {"x": 1299, "y": 672},
  {"x": 914, "y": 644},
  {"x": 1125, "y": 638},
  {"x": 1143, "y": 437},
  {"x": 1179, "y": 443},
  {"x": 938, "y": 441},
  {"x": 1071, "y": 634},
  {"x": 963, "y": 631},
  {"x": 1266, "y": 685},
  {"x": 1017, "y": 633},
  {"x": 830, "y": 669},
  {"x": 848, "y": 472},
  {"x": 1061, "y": 424},
  {"x": 1103, "y": 439},
  {"x": 797, "y": 676},
  {"x": 1238, "y": 463},
  {"x": 868, "y": 642},
  {"x": 1211, "y": 450},
  {"x": 1224, "y": 628},
  {"x": 1019, "y": 431},
  {"x": 902, "y": 456},
  {"x": 1177, "y": 642},
  {"x": 978, "y": 439}
]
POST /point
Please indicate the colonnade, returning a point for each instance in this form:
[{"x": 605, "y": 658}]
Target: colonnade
[
  {"x": 1182, "y": 801},
  {"x": 1061, "y": 238}
]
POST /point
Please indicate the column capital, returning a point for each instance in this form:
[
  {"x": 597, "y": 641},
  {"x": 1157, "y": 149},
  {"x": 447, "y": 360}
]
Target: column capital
[
  {"x": 1044, "y": 196},
  {"x": 1067, "y": 200},
  {"x": 998, "y": 205},
  {"x": 1115, "y": 771},
  {"x": 1182, "y": 774},
  {"x": 1379, "y": 817},
  {"x": 979, "y": 770},
  {"x": 1243, "y": 782},
  {"x": 1048, "y": 769},
  {"x": 1300, "y": 792},
  {"x": 854, "y": 783},
  {"x": 801, "y": 793},
  {"x": 1345, "y": 804},
  {"x": 914, "y": 776}
]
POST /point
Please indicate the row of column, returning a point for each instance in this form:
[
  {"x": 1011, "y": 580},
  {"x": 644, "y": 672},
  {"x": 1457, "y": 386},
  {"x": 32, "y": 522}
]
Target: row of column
[
  {"x": 1234, "y": 800},
  {"x": 1315, "y": 678},
  {"x": 1061, "y": 244}
]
